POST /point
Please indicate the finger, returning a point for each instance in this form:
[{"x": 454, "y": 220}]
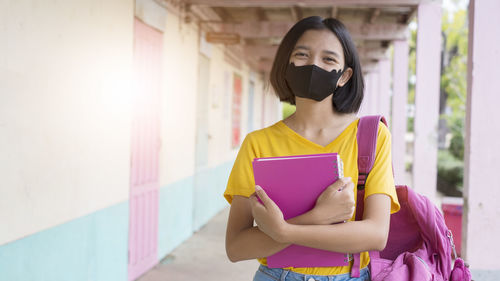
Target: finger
[
  {"x": 337, "y": 184},
  {"x": 330, "y": 190},
  {"x": 342, "y": 183},
  {"x": 263, "y": 196},
  {"x": 346, "y": 180},
  {"x": 254, "y": 201},
  {"x": 349, "y": 187}
]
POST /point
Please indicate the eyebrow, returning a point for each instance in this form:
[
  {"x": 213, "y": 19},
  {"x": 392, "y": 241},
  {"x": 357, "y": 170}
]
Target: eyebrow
[
  {"x": 332, "y": 53},
  {"x": 324, "y": 51}
]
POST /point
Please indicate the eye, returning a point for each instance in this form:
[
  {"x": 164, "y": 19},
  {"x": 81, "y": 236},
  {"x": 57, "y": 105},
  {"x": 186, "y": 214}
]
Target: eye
[
  {"x": 330, "y": 59},
  {"x": 300, "y": 55}
]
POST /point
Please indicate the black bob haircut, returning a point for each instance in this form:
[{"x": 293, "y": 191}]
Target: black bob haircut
[{"x": 346, "y": 99}]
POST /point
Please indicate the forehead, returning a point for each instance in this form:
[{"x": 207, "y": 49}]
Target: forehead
[{"x": 322, "y": 40}]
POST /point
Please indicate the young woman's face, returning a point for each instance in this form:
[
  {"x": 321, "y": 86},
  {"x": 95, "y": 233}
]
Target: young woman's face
[{"x": 319, "y": 47}]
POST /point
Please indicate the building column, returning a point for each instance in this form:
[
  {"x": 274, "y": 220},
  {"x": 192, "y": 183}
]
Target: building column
[
  {"x": 480, "y": 226},
  {"x": 399, "y": 101},
  {"x": 384, "y": 96},
  {"x": 364, "y": 109},
  {"x": 375, "y": 92},
  {"x": 370, "y": 100},
  {"x": 427, "y": 98}
]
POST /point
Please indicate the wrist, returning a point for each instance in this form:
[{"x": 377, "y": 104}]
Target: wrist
[
  {"x": 314, "y": 216},
  {"x": 320, "y": 217},
  {"x": 283, "y": 233}
]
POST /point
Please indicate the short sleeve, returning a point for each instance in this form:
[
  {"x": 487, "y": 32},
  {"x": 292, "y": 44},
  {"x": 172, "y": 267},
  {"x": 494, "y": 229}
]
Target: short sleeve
[
  {"x": 381, "y": 178},
  {"x": 241, "y": 180}
]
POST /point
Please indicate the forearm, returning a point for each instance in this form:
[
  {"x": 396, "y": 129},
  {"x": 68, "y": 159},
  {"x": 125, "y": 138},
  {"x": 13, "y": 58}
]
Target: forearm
[
  {"x": 350, "y": 237},
  {"x": 252, "y": 243},
  {"x": 308, "y": 218}
]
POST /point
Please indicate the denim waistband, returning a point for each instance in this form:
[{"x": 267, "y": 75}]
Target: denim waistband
[{"x": 287, "y": 275}]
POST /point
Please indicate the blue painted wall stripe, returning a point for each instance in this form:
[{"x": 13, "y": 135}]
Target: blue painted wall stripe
[
  {"x": 208, "y": 189},
  {"x": 93, "y": 247},
  {"x": 187, "y": 205},
  {"x": 175, "y": 215}
]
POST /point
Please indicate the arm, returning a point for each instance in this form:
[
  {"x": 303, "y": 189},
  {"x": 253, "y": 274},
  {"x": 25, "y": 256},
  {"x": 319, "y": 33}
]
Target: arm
[
  {"x": 351, "y": 237},
  {"x": 244, "y": 241}
]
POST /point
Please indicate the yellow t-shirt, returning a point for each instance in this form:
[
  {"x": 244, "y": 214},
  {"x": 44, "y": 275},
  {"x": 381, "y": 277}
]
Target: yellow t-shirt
[{"x": 280, "y": 140}]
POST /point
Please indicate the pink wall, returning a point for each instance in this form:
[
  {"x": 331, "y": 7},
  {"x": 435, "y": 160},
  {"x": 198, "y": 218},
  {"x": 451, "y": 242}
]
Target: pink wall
[{"x": 481, "y": 227}]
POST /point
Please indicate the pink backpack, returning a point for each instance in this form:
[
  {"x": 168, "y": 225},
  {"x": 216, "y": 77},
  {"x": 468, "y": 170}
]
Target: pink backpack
[{"x": 419, "y": 245}]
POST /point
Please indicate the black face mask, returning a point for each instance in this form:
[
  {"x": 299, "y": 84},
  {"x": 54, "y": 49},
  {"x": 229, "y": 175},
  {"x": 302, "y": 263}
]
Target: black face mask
[{"x": 311, "y": 81}]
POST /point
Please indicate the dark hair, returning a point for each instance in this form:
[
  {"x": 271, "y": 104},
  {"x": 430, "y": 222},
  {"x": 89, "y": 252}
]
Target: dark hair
[{"x": 347, "y": 98}]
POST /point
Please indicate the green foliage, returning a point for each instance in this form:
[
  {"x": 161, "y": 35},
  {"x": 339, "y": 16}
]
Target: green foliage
[
  {"x": 412, "y": 61},
  {"x": 288, "y": 109},
  {"x": 450, "y": 174},
  {"x": 457, "y": 147},
  {"x": 457, "y": 144},
  {"x": 454, "y": 77},
  {"x": 454, "y": 85},
  {"x": 410, "y": 124}
]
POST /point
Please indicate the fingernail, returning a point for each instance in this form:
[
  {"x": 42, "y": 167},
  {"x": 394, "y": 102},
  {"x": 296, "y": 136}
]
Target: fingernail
[{"x": 258, "y": 188}]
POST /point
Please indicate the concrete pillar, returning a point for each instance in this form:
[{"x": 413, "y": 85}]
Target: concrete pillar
[
  {"x": 364, "y": 110},
  {"x": 375, "y": 99},
  {"x": 384, "y": 96},
  {"x": 399, "y": 101},
  {"x": 370, "y": 101},
  {"x": 481, "y": 229},
  {"x": 427, "y": 98}
]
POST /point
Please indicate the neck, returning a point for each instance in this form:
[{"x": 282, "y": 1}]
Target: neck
[{"x": 315, "y": 115}]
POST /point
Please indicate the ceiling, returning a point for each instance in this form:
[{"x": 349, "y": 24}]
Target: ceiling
[{"x": 261, "y": 24}]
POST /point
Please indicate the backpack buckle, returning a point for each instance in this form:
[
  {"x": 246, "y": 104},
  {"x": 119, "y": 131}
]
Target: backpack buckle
[{"x": 362, "y": 180}]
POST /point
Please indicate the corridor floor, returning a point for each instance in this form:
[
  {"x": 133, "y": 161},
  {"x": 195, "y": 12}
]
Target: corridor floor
[{"x": 203, "y": 257}]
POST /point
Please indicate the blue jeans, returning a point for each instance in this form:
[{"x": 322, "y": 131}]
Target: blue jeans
[{"x": 265, "y": 273}]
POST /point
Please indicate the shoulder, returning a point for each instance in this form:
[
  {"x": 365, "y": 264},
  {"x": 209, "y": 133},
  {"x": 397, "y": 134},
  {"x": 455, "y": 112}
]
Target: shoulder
[
  {"x": 384, "y": 141},
  {"x": 264, "y": 133},
  {"x": 383, "y": 131},
  {"x": 258, "y": 139}
]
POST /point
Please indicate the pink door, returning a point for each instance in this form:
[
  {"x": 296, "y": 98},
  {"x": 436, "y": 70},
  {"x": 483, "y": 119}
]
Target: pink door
[
  {"x": 236, "y": 117},
  {"x": 144, "y": 185}
]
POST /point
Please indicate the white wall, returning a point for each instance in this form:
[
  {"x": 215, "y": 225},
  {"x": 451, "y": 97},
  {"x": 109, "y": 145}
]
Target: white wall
[
  {"x": 179, "y": 92},
  {"x": 65, "y": 91},
  {"x": 181, "y": 54},
  {"x": 220, "y": 100},
  {"x": 65, "y": 71}
]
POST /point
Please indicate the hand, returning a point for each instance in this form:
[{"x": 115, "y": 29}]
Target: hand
[
  {"x": 267, "y": 215},
  {"x": 336, "y": 203}
]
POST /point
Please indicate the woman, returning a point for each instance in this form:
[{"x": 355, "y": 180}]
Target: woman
[{"x": 317, "y": 69}]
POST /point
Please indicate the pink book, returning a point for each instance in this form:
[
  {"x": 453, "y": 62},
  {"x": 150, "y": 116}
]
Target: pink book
[{"x": 294, "y": 183}]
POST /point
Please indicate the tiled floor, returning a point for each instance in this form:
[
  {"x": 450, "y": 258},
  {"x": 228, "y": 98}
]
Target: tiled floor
[{"x": 203, "y": 257}]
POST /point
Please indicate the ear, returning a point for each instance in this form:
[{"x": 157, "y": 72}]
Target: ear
[{"x": 345, "y": 77}]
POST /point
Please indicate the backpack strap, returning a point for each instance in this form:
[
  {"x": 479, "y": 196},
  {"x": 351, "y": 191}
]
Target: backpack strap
[{"x": 367, "y": 147}]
